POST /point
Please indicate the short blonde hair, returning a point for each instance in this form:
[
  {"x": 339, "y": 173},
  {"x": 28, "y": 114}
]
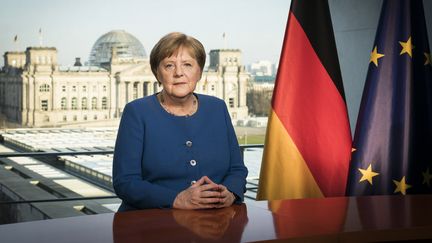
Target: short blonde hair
[{"x": 170, "y": 44}]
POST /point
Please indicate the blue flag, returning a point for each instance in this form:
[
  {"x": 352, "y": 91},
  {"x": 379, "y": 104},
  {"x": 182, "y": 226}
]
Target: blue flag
[{"x": 392, "y": 148}]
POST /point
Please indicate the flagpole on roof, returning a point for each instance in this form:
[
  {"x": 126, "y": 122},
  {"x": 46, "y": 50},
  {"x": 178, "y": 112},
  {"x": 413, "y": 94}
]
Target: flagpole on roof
[
  {"x": 40, "y": 37},
  {"x": 15, "y": 41}
]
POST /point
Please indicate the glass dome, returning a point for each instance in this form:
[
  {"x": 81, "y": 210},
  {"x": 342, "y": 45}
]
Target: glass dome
[{"x": 127, "y": 47}]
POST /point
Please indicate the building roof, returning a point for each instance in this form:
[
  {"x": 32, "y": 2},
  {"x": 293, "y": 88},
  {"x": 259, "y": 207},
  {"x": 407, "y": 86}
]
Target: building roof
[{"x": 81, "y": 69}]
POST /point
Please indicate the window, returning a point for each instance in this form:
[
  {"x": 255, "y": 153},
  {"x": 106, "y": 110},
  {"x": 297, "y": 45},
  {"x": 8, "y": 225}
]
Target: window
[
  {"x": 2, "y": 96},
  {"x": 231, "y": 102},
  {"x": 145, "y": 89},
  {"x": 95, "y": 117},
  {"x": 74, "y": 88},
  {"x": 155, "y": 87},
  {"x": 64, "y": 118},
  {"x": 74, "y": 117},
  {"x": 46, "y": 118},
  {"x": 44, "y": 105},
  {"x": 84, "y": 103},
  {"x": 63, "y": 88},
  {"x": 44, "y": 88},
  {"x": 104, "y": 88},
  {"x": 85, "y": 118},
  {"x": 212, "y": 87},
  {"x": 135, "y": 91},
  {"x": 104, "y": 103},
  {"x": 74, "y": 103},
  {"x": 63, "y": 103},
  {"x": 94, "y": 103},
  {"x": 84, "y": 88}
]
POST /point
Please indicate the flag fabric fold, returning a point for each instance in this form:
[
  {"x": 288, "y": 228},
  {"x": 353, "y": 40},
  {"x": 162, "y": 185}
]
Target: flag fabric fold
[
  {"x": 308, "y": 140},
  {"x": 393, "y": 136}
]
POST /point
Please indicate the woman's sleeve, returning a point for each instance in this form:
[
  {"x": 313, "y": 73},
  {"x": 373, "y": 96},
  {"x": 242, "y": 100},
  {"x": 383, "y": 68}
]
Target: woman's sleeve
[
  {"x": 235, "y": 179},
  {"x": 128, "y": 181}
]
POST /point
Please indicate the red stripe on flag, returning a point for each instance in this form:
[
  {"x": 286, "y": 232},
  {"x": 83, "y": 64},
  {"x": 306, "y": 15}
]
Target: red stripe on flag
[{"x": 313, "y": 111}]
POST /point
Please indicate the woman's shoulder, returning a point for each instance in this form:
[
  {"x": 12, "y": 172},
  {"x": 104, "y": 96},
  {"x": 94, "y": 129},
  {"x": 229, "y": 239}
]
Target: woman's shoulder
[
  {"x": 211, "y": 100},
  {"x": 144, "y": 101},
  {"x": 141, "y": 104}
]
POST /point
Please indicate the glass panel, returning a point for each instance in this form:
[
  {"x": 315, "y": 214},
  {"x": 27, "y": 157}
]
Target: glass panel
[{"x": 14, "y": 212}]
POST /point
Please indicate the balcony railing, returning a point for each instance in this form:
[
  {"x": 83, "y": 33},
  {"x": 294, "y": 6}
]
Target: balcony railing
[{"x": 251, "y": 187}]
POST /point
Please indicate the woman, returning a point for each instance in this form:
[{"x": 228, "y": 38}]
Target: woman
[{"x": 176, "y": 148}]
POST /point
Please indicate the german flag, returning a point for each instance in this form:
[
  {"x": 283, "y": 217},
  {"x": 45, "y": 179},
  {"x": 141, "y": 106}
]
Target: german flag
[{"x": 308, "y": 141}]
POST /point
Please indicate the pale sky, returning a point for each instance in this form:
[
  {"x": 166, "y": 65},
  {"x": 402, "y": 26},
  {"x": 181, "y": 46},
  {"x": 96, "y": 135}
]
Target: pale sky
[{"x": 255, "y": 26}]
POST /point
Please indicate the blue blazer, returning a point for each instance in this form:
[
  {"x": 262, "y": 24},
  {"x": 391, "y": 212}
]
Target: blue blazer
[{"x": 157, "y": 155}]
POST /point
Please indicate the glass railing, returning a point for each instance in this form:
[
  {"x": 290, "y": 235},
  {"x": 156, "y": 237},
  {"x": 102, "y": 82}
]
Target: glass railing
[{"x": 56, "y": 188}]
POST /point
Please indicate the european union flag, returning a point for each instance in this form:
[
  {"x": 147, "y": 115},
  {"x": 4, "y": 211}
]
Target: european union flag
[{"x": 393, "y": 138}]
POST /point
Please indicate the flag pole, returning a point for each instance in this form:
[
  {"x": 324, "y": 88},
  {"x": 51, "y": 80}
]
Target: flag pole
[
  {"x": 15, "y": 41},
  {"x": 40, "y": 37}
]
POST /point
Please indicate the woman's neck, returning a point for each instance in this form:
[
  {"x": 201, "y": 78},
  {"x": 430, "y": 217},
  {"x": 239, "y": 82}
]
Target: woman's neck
[{"x": 178, "y": 106}]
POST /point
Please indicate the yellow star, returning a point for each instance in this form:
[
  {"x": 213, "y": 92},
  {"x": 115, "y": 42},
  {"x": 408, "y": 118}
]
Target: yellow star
[
  {"x": 406, "y": 47},
  {"x": 401, "y": 186},
  {"x": 375, "y": 56},
  {"x": 367, "y": 174},
  {"x": 427, "y": 177},
  {"x": 428, "y": 58}
]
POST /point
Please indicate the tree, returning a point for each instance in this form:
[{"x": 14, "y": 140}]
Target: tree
[{"x": 258, "y": 101}]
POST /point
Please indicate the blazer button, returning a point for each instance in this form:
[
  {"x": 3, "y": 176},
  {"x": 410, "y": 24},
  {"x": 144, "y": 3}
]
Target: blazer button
[
  {"x": 192, "y": 162},
  {"x": 193, "y": 182},
  {"x": 189, "y": 143}
]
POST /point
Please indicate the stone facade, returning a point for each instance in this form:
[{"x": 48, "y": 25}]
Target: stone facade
[{"x": 37, "y": 92}]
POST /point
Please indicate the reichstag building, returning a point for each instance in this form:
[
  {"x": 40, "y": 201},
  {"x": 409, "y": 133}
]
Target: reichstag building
[{"x": 35, "y": 91}]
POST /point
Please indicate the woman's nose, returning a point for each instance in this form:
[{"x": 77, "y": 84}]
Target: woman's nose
[{"x": 178, "y": 71}]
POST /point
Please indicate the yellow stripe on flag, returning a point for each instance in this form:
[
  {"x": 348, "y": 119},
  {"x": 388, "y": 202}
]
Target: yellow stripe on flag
[{"x": 284, "y": 173}]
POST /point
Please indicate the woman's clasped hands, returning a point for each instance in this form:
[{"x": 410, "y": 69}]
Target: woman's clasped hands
[{"x": 204, "y": 193}]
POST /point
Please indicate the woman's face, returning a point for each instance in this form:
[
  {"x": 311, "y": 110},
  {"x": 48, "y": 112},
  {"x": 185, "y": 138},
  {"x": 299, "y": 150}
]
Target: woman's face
[{"x": 179, "y": 73}]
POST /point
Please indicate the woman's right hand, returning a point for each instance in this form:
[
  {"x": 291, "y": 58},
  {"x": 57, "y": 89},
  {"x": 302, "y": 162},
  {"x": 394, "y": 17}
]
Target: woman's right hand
[{"x": 202, "y": 194}]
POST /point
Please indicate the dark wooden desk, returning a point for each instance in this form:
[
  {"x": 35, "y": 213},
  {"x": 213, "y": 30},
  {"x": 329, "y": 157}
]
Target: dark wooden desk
[{"x": 344, "y": 219}]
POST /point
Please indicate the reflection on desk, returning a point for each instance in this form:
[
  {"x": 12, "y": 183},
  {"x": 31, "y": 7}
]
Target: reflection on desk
[
  {"x": 342, "y": 219},
  {"x": 215, "y": 225}
]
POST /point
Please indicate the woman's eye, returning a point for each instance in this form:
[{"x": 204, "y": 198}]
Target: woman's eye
[
  {"x": 169, "y": 66},
  {"x": 187, "y": 65}
]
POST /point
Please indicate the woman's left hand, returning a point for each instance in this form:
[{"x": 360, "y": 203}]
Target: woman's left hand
[
  {"x": 226, "y": 197},
  {"x": 204, "y": 194}
]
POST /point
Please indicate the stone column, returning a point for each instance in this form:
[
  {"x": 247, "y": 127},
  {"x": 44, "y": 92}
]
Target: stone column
[
  {"x": 129, "y": 92},
  {"x": 121, "y": 96}
]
